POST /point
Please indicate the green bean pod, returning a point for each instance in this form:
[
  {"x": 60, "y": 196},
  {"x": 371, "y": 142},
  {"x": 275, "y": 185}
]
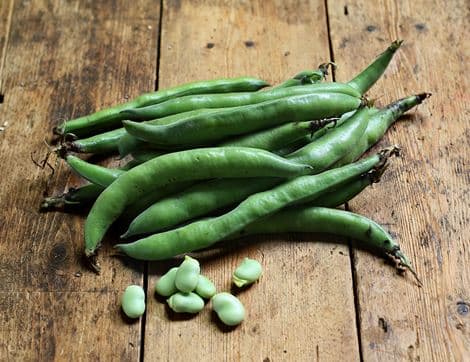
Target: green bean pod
[
  {"x": 204, "y": 233},
  {"x": 306, "y": 77},
  {"x": 100, "y": 177},
  {"x": 204, "y": 163},
  {"x": 267, "y": 139},
  {"x": 197, "y": 200},
  {"x": 225, "y": 100},
  {"x": 313, "y": 219},
  {"x": 276, "y": 137},
  {"x": 205, "y": 197},
  {"x": 111, "y": 117},
  {"x": 345, "y": 192},
  {"x": 128, "y": 143},
  {"x": 367, "y": 78},
  {"x": 94, "y": 173},
  {"x": 214, "y": 127},
  {"x": 101, "y": 143},
  {"x": 380, "y": 123}
]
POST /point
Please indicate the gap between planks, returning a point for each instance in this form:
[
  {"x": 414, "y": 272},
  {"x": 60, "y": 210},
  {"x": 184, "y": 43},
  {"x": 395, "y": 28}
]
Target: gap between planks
[
  {"x": 4, "y": 48},
  {"x": 357, "y": 307},
  {"x": 146, "y": 263}
]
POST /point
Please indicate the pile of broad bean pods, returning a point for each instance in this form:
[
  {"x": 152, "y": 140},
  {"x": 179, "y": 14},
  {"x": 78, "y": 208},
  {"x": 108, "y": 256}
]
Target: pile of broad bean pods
[{"x": 274, "y": 160}]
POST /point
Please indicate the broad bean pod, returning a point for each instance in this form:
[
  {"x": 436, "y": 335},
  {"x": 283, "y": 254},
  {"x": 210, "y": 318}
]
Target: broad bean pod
[
  {"x": 204, "y": 233},
  {"x": 204, "y": 163},
  {"x": 226, "y": 100},
  {"x": 208, "y": 196},
  {"x": 367, "y": 78},
  {"x": 380, "y": 123},
  {"x": 111, "y": 117},
  {"x": 214, "y": 127},
  {"x": 316, "y": 219}
]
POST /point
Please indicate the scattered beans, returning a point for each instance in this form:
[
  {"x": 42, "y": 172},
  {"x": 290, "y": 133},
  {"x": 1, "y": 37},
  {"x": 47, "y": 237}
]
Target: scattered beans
[
  {"x": 187, "y": 275},
  {"x": 166, "y": 286},
  {"x": 185, "y": 302},
  {"x": 247, "y": 272},
  {"x": 229, "y": 309},
  {"x": 133, "y": 301}
]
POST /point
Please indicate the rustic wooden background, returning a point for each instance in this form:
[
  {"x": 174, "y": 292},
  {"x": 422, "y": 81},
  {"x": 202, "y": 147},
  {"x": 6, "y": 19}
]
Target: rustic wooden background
[{"x": 316, "y": 300}]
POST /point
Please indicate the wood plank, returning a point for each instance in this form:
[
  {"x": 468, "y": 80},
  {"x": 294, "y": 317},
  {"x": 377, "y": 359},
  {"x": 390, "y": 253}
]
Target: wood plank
[
  {"x": 6, "y": 11},
  {"x": 64, "y": 59},
  {"x": 423, "y": 199},
  {"x": 303, "y": 307}
]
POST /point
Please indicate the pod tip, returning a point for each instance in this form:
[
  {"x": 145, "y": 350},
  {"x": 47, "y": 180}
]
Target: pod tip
[
  {"x": 52, "y": 202},
  {"x": 59, "y": 129},
  {"x": 422, "y": 96},
  {"x": 395, "y": 45},
  {"x": 92, "y": 260}
]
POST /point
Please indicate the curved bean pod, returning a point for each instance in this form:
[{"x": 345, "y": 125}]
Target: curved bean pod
[
  {"x": 302, "y": 78},
  {"x": 111, "y": 117},
  {"x": 332, "y": 221},
  {"x": 380, "y": 123},
  {"x": 204, "y": 233},
  {"x": 225, "y": 100},
  {"x": 94, "y": 173},
  {"x": 206, "y": 129},
  {"x": 101, "y": 143},
  {"x": 204, "y": 163},
  {"x": 276, "y": 137},
  {"x": 367, "y": 78},
  {"x": 307, "y": 77},
  {"x": 205, "y": 197},
  {"x": 128, "y": 143}
]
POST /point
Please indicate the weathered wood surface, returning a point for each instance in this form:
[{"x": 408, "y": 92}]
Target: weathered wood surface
[
  {"x": 6, "y": 8},
  {"x": 303, "y": 309},
  {"x": 63, "y": 59},
  {"x": 424, "y": 197}
]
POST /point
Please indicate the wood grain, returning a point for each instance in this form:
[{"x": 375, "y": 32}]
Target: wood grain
[
  {"x": 6, "y": 10},
  {"x": 63, "y": 59},
  {"x": 424, "y": 197},
  {"x": 302, "y": 309}
]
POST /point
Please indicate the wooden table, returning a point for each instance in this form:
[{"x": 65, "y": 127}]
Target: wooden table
[{"x": 316, "y": 300}]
